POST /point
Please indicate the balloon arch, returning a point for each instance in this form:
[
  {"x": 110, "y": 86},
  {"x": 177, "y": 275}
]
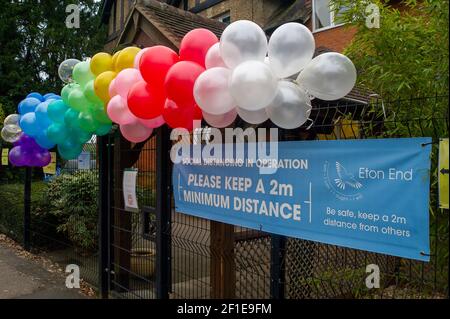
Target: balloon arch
[{"x": 242, "y": 74}]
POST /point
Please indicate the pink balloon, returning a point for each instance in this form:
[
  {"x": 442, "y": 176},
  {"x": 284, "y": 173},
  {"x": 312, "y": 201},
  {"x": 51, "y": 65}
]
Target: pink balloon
[
  {"x": 112, "y": 89},
  {"x": 118, "y": 111},
  {"x": 153, "y": 123},
  {"x": 125, "y": 80},
  {"x": 137, "y": 59},
  {"x": 213, "y": 58},
  {"x": 135, "y": 132}
]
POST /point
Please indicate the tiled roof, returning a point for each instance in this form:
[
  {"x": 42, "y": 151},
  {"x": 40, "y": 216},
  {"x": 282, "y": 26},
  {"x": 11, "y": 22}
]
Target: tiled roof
[{"x": 174, "y": 23}]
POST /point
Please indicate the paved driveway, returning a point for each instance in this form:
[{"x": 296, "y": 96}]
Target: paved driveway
[{"x": 21, "y": 278}]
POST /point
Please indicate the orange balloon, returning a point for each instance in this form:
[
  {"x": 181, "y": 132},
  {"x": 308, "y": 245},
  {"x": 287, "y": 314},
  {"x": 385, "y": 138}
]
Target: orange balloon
[{"x": 101, "y": 85}]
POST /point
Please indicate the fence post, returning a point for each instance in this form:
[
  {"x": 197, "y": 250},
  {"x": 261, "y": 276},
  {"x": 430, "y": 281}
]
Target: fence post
[
  {"x": 27, "y": 208},
  {"x": 103, "y": 216},
  {"x": 163, "y": 214},
  {"x": 277, "y": 266}
]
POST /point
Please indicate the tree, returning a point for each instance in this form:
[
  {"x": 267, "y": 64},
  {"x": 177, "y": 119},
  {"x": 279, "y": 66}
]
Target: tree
[
  {"x": 408, "y": 54},
  {"x": 34, "y": 40}
]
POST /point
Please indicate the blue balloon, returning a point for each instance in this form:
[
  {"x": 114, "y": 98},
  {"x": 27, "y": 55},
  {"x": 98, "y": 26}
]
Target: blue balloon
[
  {"x": 36, "y": 95},
  {"x": 41, "y": 115},
  {"x": 54, "y": 98},
  {"x": 28, "y": 105},
  {"x": 46, "y": 96},
  {"x": 43, "y": 141},
  {"x": 28, "y": 124}
]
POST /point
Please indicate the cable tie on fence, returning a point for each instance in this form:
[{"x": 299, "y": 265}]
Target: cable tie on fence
[
  {"x": 429, "y": 143},
  {"x": 425, "y": 254}
]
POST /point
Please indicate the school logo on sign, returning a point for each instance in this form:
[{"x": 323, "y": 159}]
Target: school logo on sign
[{"x": 341, "y": 181}]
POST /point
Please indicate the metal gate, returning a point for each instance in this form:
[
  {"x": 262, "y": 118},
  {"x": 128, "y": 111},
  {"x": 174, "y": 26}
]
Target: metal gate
[{"x": 160, "y": 253}]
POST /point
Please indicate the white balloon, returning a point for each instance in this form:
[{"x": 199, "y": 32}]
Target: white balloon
[
  {"x": 329, "y": 76},
  {"x": 12, "y": 119},
  {"x": 253, "y": 85},
  {"x": 291, "y": 48},
  {"x": 211, "y": 91},
  {"x": 11, "y": 133},
  {"x": 65, "y": 69},
  {"x": 253, "y": 117},
  {"x": 222, "y": 120},
  {"x": 213, "y": 58},
  {"x": 242, "y": 41},
  {"x": 290, "y": 108}
]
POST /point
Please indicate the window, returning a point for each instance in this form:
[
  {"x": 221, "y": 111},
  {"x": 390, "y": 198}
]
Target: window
[
  {"x": 324, "y": 16},
  {"x": 224, "y": 17}
]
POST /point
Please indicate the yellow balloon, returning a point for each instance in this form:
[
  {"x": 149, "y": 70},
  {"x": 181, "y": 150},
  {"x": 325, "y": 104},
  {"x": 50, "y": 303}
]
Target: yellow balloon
[
  {"x": 101, "y": 62},
  {"x": 101, "y": 85},
  {"x": 114, "y": 59},
  {"x": 125, "y": 59}
]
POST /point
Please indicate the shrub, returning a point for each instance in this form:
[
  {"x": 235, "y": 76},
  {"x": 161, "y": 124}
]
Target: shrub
[{"x": 72, "y": 200}]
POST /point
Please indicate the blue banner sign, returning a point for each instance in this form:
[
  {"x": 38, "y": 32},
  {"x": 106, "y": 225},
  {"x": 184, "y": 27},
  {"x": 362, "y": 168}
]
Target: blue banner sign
[{"x": 371, "y": 195}]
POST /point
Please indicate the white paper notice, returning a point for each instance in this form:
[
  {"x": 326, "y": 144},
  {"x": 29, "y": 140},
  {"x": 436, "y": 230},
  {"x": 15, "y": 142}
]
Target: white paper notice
[
  {"x": 84, "y": 160},
  {"x": 129, "y": 190}
]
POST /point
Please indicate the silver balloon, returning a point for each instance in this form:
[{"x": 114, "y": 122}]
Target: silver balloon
[
  {"x": 290, "y": 108},
  {"x": 222, "y": 120},
  {"x": 329, "y": 76},
  {"x": 242, "y": 41},
  {"x": 65, "y": 69},
  {"x": 253, "y": 117},
  {"x": 253, "y": 85},
  {"x": 11, "y": 133},
  {"x": 12, "y": 119},
  {"x": 291, "y": 48},
  {"x": 211, "y": 91}
]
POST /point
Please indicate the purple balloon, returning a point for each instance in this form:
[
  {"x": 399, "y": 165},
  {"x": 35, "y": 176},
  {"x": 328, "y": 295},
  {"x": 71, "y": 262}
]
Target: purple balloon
[
  {"x": 26, "y": 152},
  {"x": 42, "y": 159},
  {"x": 15, "y": 156}
]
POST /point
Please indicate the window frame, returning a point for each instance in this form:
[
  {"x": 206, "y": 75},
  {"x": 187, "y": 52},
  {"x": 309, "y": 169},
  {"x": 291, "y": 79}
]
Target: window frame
[
  {"x": 332, "y": 20},
  {"x": 221, "y": 16}
]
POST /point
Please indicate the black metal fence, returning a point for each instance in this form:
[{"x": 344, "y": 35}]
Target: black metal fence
[
  {"x": 61, "y": 222},
  {"x": 148, "y": 255}
]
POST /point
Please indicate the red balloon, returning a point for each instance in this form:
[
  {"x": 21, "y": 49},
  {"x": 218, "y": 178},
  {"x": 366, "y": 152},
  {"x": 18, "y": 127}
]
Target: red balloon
[
  {"x": 146, "y": 101},
  {"x": 196, "y": 44},
  {"x": 181, "y": 116},
  {"x": 156, "y": 62},
  {"x": 180, "y": 82}
]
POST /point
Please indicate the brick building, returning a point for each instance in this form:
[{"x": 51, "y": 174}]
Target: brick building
[{"x": 269, "y": 14}]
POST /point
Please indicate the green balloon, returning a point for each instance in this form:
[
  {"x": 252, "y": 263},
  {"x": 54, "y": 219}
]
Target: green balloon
[
  {"x": 66, "y": 90},
  {"x": 69, "y": 150},
  {"x": 87, "y": 122},
  {"x": 103, "y": 129},
  {"x": 89, "y": 93},
  {"x": 82, "y": 73},
  {"x": 56, "y": 110},
  {"x": 81, "y": 136},
  {"x": 78, "y": 101},
  {"x": 57, "y": 133},
  {"x": 71, "y": 118},
  {"x": 99, "y": 114}
]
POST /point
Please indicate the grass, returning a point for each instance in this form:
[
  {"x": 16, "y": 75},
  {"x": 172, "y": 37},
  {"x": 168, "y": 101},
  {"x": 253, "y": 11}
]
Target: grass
[{"x": 12, "y": 206}]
